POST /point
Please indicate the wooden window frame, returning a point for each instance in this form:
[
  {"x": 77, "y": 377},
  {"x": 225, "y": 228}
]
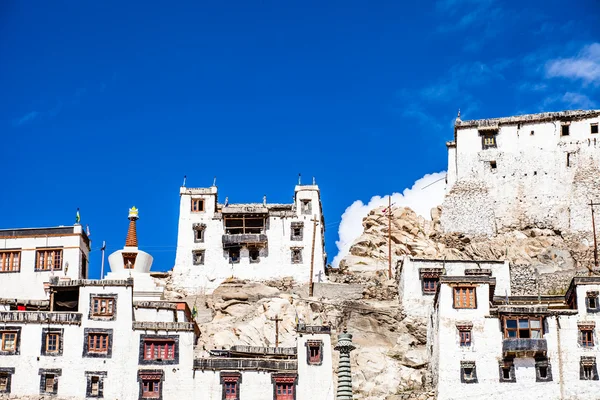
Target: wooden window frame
[
  {"x": 230, "y": 382},
  {"x": 506, "y": 329},
  {"x": 246, "y": 227},
  {"x": 466, "y": 299},
  {"x": 152, "y": 349},
  {"x": 49, "y": 337},
  {"x": 4, "y": 335},
  {"x": 97, "y": 304},
  {"x": 42, "y": 264},
  {"x": 284, "y": 391},
  {"x": 429, "y": 285},
  {"x": 198, "y": 206},
  {"x": 10, "y": 261},
  {"x": 586, "y": 337},
  {"x": 151, "y": 392},
  {"x": 465, "y": 337},
  {"x": 98, "y": 342},
  {"x": 489, "y": 140},
  {"x": 49, "y": 380}
]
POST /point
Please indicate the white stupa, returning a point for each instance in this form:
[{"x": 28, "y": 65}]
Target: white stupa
[{"x": 131, "y": 262}]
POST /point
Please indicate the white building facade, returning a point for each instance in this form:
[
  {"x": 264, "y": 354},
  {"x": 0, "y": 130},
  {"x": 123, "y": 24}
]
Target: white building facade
[
  {"x": 538, "y": 170},
  {"x": 257, "y": 241},
  {"x": 29, "y": 257},
  {"x": 484, "y": 343}
]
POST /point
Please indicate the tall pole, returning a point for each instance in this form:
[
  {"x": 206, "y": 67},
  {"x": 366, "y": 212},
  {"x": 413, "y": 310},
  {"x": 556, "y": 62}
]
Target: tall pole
[
  {"x": 312, "y": 257},
  {"x": 594, "y": 231},
  {"x": 390, "y": 237},
  {"x": 102, "y": 266},
  {"x": 277, "y": 320}
]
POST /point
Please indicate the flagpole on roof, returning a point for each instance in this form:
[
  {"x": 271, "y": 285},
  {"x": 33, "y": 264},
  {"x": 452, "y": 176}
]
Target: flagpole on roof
[{"x": 102, "y": 267}]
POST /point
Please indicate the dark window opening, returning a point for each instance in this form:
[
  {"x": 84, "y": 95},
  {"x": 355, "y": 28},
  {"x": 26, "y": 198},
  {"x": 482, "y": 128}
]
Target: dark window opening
[
  {"x": 568, "y": 159},
  {"x": 430, "y": 285},
  {"x": 543, "y": 372},
  {"x": 199, "y": 235},
  {"x": 129, "y": 260},
  {"x": 314, "y": 352},
  {"x": 4, "y": 382},
  {"x": 236, "y": 225},
  {"x": 197, "y": 205},
  {"x": 532, "y": 133},
  {"x": 488, "y": 140},
  {"x": 594, "y": 128},
  {"x": 493, "y": 164},
  {"x": 586, "y": 337},
  {"x": 468, "y": 373},
  {"x": 564, "y": 130},
  {"x": 592, "y": 302},
  {"x": 296, "y": 256},
  {"x": 254, "y": 255},
  {"x": 66, "y": 300},
  {"x": 150, "y": 389},
  {"x": 234, "y": 255},
  {"x": 198, "y": 257},
  {"x": 465, "y": 338},
  {"x": 506, "y": 373}
]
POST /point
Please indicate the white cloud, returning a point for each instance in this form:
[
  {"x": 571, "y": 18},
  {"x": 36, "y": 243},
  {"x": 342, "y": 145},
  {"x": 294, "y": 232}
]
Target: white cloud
[
  {"x": 578, "y": 100},
  {"x": 419, "y": 198},
  {"x": 585, "y": 66}
]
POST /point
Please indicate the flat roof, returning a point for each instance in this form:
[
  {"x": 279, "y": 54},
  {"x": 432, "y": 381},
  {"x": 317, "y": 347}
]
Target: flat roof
[
  {"x": 566, "y": 115},
  {"x": 37, "y": 232}
]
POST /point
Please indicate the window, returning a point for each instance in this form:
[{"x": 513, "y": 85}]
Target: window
[
  {"x": 296, "y": 256},
  {"x": 594, "y": 128},
  {"x": 464, "y": 297},
  {"x": 129, "y": 260},
  {"x": 159, "y": 349},
  {"x": 305, "y": 207},
  {"x": 254, "y": 255},
  {"x": 284, "y": 386},
  {"x": 523, "y": 328},
  {"x": 97, "y": 343},
  {"x": 493, "y": 165},
  {"x": 586, "y": 336},
  {"x": 591, "y": 302},
  {"x": 465, "y": 337},
  {"x": 430, "y": 285},
  {"x": 488, "y": 140},
  {"x": 5, "y": 378},
  {"x": 198, "y": 257},
  {"x": 231, "y": 385},
  {"x": 532, "y": 133},
  {"x": 197, "y": 205},
  {"x": 564, "y": 130},
  {"x": 244, "y": 224},
  {"x": 468, "y": 372},
  {"x": 314, "y": 352},
  {"x": 9, "y": 341},
  {"x": 94, "y": 385},
  {"x": 48, "y": 260},
  {"x": 297, "y": 231},
  {"x": 543, "y": 370},
  {"x": 507, "y": 371},
  {"x": 10, "y": 261},
  {"x": 587, "y": 369},
  {"x": 52, "y": 343},
  {"x": 103, "y": 306},
  {"x": 150, "y": 384},
  {"x": 199, "y": 233},
  {"x": 49, "y": 380},
  {"x": 234, "y": 255}
]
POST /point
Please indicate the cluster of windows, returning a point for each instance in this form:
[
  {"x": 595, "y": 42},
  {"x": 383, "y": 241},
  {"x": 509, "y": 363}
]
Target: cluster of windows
[{"x": 45, "y": 260}]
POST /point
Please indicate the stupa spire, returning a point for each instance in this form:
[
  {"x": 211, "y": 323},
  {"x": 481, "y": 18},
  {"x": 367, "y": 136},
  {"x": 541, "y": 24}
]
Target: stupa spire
[
  {"x": 131, "y": 240},
  {"x": 344, "y": 346}
]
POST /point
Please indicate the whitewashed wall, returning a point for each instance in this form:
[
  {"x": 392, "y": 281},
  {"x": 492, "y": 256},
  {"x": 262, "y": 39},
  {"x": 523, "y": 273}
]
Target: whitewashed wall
[{"x": 275, "y": 260}]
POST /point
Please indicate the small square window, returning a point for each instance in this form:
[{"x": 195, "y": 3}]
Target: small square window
[
  {"x": 493, "y": 165},
  {"x": 488, "y": 140},
  {"x": 52, "y": 342},
  {"x": 234, "y": 255},
  {"x": 587, "y": 369},
  {"x": 151, "y": 389},
  {"x": 468, "y": 372},
  {"x": 594, "y": 128},
  {"x": 296, "y": 256},
  {"x": 591, "y": 302},
  {"x": 254, "y": 255},
  {"x": 97, "y": 343},
  {"x": 297, "y": 231},
  {"x": 103, "y": 306},
  {"x": 543, "y": 370},
  {"x": 4, "y": 382},
  {"x": 129, "y": 260},
  {"x": 305, "y": 207},
  {"x": 464, "y": 297},
  {"x": 430, "y": 285},
  {"x": 197, "y": 205},
  {"x": 198, "y": 257},
  {"x": 95, "y": 384},
  {"x": 564, "y": 130},
  {"x": 532, "y": 133},
  {"x": 48, "y": 259},
  {"x": 586, "y": 337},
  {"x": 9, "y": 341},
  {"x": 465, "y": 338},
  {"x": 159, "y": 350},
  {"x": 49, "y": 380},
  {"x": 49, "y": 383},
  {"x": 314, "y": 352}
]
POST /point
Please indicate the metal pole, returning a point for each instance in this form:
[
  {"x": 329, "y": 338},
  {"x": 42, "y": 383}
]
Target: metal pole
[
  {"x": 390, "y": 237},
  {"x": 102, "y": 266},
  {"x": 312, "y": 257}
]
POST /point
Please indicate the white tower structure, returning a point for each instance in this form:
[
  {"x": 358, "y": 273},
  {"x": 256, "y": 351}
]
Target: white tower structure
[{"x": 257, "y": 241}]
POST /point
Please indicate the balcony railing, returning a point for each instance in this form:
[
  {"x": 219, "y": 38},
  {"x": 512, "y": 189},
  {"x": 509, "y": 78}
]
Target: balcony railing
[
  {"x": 264, "y": 351},
  {"x": 524, "y": 347},
  {"x": 245, "y": 364},
  {"x": 163, "y": 326},
  {"x": 40, "y": 317},
  {"x": 244, "y": 238}
]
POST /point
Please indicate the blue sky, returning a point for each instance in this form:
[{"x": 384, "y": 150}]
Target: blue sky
[{"x": 107, "y": 104}]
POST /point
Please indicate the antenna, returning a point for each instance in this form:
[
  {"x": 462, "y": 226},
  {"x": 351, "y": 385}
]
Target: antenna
[
  {"x": 299, "y": 179},
  {"x": 184, "y": 179}
]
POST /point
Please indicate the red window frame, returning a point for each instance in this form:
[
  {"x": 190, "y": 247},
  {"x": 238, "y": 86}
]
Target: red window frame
[
  {"x": 465, "y": 297},
  {"x": 314, "y": 353},
  {"x": 197, "y": 205},
  {"x": 465, "y": 337},
  {"x": 98, "y": 342},
  {"x": 151, "y": 388},
  {"x": 155, "y": 349},
  {"x": 429, "y": 285},
  {"x": 231, "y": 390},
  {"x": 284, "y": 391}
]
